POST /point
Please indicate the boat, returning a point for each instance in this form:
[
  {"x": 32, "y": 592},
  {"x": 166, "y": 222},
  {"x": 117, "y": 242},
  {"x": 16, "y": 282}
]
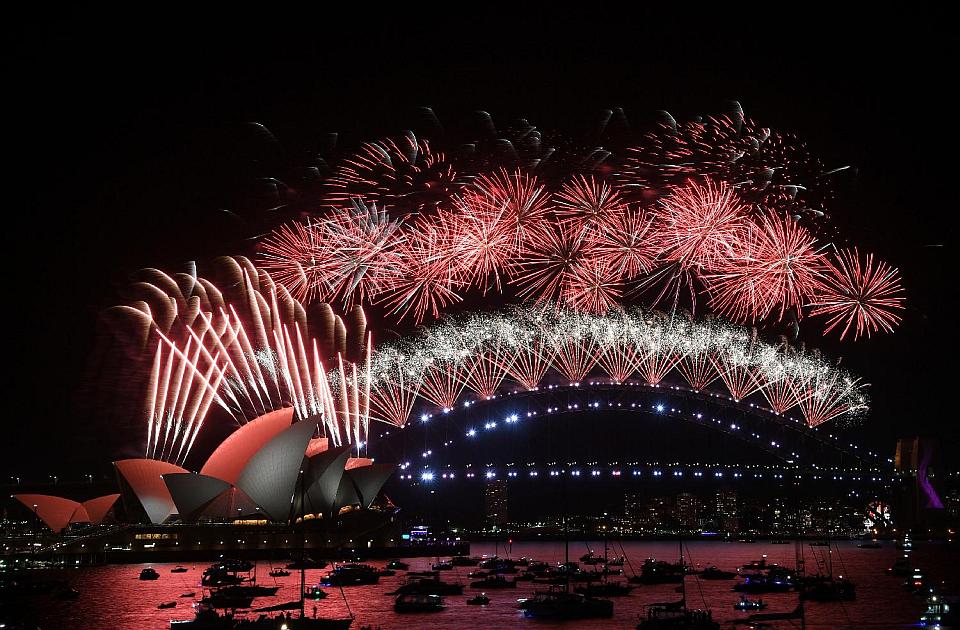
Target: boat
[
  {"x": 494, "y": 581},
  {"x": 386, "y": 572},
  {"x": 901, "y": 567},
  {"x": 292, "y": 605},
  {"x": 756, "y": 565},
  {"x": 227, "y": 600},
  {"x": 411, "y": 603},
  {"x": 478, "y": 600},
  {"x": 591, "y": 559},
  {"x": 149, "y": 574},
  {"x": 253, "y": 590},
  {"x": 870, "y": 545},
  {"x": 659, "y": 572},
  {"x": 179, "y": 569},
  {"x": 676, "y": 616},
  {"x": 464, "y": 561},
  {"x": 279, "y": 573},
  {"x": 316, "y": 593},
  {"x": 828, "y": 590},
  {"x": 442, "y": 566},
  {"x": 713, "y": 573},
  {"x": 190, "y": 594},
  {"x": 604, "y": 589},
  {"x": 226, "y": 573},
  {"x": 616, "y": 562},
  {"x": 163, "y": 605},
  {"x": 351, "y": 575},
  {"x": 759, "y": 583},
  {"x": 68, "y": 593},
  {"x": 941, "y": 612},
  {"x": 209, "y": 619},
  {"x": 428, "y": 586},
  {"x": 749, "y": 604},
  {"x": 561, "y": 604},
  {"x": 307, "y": 563},
  {"x": 397, "y": 565}
]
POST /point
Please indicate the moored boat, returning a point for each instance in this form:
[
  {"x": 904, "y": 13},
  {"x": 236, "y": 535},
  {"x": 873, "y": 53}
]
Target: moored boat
[{"x": 414, "y": 603}]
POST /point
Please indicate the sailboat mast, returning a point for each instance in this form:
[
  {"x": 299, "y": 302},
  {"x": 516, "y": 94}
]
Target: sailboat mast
[
  {"x": 683, "y": 574},
  {"x": 303, "y": 545}
]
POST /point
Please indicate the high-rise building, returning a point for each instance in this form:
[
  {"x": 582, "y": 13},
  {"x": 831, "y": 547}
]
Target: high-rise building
[
  {"x": 659, "y": 514},
  {"x": 633, "y": 509},
  {"x": 688, "y": 511},
  {"x": 727, "y": 510},
  {"x": 495, "y": 503}
]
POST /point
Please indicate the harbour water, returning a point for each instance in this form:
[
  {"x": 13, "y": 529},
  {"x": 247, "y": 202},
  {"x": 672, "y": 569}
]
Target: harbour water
[{"x": 114, "y": 597}]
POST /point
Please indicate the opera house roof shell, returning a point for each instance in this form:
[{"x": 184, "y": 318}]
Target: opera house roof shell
[{"x": 256, "y": 473}]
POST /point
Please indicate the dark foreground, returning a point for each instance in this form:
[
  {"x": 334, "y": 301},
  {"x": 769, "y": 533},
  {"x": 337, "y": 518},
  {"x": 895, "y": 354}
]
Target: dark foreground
[{"x": 113, "y": 597}]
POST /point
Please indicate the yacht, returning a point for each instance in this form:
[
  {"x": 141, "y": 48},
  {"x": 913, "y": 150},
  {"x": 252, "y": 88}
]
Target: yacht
[
  {"x": 494, "y": 581},
  {"x": 464, "y": 561},
  {"x": 676, "y": 616},
  {"x": 351, "y": 575},
  {"x": 418, "y": 603},
  {"x": 749, "y": 604},
  {"x": 428, "y": 586},
  {"x": 713, "y": 573},
  {"x": 560, "y": 604},
  {"x": 659, "y": 572},
  {"x": 759, "y": 583}
]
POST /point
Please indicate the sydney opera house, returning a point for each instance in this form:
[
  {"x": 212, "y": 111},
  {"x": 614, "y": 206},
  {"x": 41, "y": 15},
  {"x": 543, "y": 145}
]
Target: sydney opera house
[{"x": 267, "y": 475}]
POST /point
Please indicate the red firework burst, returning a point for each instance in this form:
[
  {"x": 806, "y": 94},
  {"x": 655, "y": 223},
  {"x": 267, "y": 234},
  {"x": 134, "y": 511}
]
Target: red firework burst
[
  {"x": 592, "y": 287},
  {"x": 297, "y": 257},
  {"x": 771, "y": 269},
  {"x": 521, "y": 197},
  {"x": 405, "y": 174},
  {"x": 586, "y": 202},
  {"x": 697, "y": 226},
  {"x": 483, "y": 238},
  {"x": 624, "y": 244},
  {"x": 549, "y": 262},
  {"x": 364, "y": 252},
  {"x": 865, "y": 294},
  {"x": 426, "y": 278}
]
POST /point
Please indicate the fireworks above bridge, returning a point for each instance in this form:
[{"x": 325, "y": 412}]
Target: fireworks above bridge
[
  {"x": 640, "y": 265},
  {"x": 720, "y": 214}
]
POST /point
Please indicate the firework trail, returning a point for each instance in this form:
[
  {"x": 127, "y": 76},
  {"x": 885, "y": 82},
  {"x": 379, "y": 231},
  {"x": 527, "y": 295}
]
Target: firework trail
[{"x": 244, "y": 344}]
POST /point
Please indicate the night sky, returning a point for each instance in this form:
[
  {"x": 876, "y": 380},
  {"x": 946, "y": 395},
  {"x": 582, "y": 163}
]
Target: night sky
[{"x": 128, "y": 143}]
